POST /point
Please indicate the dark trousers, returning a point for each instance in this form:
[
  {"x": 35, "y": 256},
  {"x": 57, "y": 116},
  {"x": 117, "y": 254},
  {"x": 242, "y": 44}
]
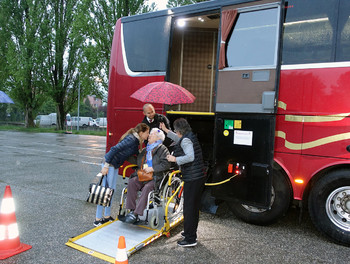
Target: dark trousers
[
  {"x": 134, "y": 186},
  {"x": 192, "y": 201}
]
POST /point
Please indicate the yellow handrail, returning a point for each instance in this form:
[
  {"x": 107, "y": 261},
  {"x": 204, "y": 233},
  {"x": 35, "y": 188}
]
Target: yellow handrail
[
  {"x": 167, "y": 224},
  {"x": 171, "y": 175},
  {"x": 127, "y": 167}
]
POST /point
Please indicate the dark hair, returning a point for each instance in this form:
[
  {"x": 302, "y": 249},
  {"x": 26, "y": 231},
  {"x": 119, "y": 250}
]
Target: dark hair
[
  {"x": 141, "y": 127},
  {"x": 182, "y": 126}
]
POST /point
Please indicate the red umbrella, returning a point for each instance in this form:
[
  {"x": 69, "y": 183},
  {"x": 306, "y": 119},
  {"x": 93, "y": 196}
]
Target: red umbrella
[{"x": 163, "y": 93}]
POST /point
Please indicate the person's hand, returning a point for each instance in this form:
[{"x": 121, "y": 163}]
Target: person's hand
[
  {"x": 163, "y": 127},
  {"x": 171, "y": 158},
  {"x": 149, "y": 169},
  {"x": 104, "y": 171}
]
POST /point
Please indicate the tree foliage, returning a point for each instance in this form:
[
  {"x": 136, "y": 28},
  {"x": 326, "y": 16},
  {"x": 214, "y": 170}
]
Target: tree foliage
[
  {"x": 175, "y": 3},
  {"x": 53, "y": 48},
  {"x": 24, "y": 30}
]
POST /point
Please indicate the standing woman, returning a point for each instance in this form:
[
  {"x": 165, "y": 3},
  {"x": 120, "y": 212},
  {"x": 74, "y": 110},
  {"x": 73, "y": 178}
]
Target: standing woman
[
  {"x": 188, "y": 155},
  {"x": 128, "y": 145}
]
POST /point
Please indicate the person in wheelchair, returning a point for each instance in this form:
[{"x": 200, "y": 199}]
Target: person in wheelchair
[{"x": 153, "y": 159}]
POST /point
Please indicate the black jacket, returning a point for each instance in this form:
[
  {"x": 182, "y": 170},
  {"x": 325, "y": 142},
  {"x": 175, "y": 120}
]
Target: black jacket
[
  {"x": 122, "y": 151},
  {"x": 193, "y": 170},
  {"x": 158, "y": 118}
]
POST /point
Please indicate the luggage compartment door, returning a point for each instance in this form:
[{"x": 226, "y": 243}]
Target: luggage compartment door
[{"x": 245, "y": 103}]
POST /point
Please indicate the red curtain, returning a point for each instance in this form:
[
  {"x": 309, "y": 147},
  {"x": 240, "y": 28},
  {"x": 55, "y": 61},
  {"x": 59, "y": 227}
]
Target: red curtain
[{"x": 228, "y": 17}]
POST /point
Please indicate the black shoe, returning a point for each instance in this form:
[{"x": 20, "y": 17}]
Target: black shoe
[
  {"x": 121, "y": 218},
  {"x": 131, "y": 218},
  {"x": 98, "y": 222},
  {"x": 109, "y": 219},
  {"x": 183, "y": 234},
  {"x": 184, "y": 243}
]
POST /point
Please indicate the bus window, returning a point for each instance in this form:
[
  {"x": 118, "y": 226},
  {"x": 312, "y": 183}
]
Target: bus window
[
  {"x": 309, "y": 31},
  {"x": 343, "y": 47},
  {"x": 254, "y": 39},
  {"x": 146, "y": 43}
]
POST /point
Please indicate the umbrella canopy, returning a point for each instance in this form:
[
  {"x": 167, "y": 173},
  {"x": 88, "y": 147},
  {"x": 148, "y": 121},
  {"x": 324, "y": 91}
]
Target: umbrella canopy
[
  {"x": 163, "y": 93},
  {"x": 4, "y": 98}
]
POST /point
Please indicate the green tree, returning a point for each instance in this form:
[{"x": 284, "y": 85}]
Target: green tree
[
  {"x": 23, "y": 31},
  {"x": 175, "y": 3},
  {"x": 96, "y": 24}
]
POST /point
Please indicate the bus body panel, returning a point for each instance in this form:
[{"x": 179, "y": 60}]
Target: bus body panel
[
  {"x": 123, "y": 112},
  {"x": 287, "y": 118}
]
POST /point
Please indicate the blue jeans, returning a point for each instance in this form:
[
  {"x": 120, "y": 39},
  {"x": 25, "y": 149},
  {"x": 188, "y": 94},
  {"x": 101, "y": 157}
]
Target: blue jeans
[{"x": 112, "y": 183}]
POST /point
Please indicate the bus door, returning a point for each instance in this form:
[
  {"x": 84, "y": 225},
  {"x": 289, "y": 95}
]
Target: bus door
[{"x": 245, "y": 102}]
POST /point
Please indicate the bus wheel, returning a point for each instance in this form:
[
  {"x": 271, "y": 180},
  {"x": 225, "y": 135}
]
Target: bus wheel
[
  {"x": 329, "y": 206},
  {"x": 281, "y": 197}
]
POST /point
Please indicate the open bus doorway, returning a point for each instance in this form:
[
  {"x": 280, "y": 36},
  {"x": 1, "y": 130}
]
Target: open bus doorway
[{"x": 193, "y": 59}]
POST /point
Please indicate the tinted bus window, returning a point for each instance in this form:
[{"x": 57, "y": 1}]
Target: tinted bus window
[
  {"x": 309, "y": 31},
  {"x": 343, "y": 43},
  {"x": 146, "y": 43},
  {"x": 253, "y": 40}
]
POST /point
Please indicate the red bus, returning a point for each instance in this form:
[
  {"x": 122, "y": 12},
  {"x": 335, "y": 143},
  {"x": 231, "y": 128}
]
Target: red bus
[{"x": 271, "y": 80}]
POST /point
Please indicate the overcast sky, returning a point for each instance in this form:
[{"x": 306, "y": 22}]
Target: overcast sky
[{"x": 160, "y": 3}]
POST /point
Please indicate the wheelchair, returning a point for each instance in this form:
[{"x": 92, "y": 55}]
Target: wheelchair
[{"x": 164, "y": 204}]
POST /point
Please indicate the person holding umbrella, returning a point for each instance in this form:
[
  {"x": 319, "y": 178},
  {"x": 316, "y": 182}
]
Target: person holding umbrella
[
  {"x": 188, "y": 155},
  {"x": 153, "y": 120}
]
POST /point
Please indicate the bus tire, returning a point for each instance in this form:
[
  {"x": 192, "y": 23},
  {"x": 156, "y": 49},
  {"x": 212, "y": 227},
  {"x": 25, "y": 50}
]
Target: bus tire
[
  {"x": 329, "y": 206},
  {"x": 280, "y": 202}
]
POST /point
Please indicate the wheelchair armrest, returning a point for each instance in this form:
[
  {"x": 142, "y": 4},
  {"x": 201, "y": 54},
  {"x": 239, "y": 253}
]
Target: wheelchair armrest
[{"x": 127, "y": 167}]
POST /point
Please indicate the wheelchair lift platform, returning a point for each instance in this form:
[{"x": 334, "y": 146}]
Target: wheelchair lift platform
[{"x": 102, "y": 241}]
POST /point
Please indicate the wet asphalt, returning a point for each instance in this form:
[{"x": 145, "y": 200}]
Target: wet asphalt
[{"x": 49, "y": 175}]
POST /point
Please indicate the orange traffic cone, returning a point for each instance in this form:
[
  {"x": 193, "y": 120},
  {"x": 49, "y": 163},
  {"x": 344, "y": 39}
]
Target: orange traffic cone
[
  {"x": 9, "y": 237},
  {"x": 122, "y": 257}
]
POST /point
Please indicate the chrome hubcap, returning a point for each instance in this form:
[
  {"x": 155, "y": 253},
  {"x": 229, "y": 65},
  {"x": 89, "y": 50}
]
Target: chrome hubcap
[{"x": 338, "y": 207}]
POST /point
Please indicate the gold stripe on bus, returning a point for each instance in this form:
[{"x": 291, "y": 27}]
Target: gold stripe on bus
[
  {"x": 188, "y": 113},
  {"x": 316, "y": 119},
  {"x": 282, "y": 105},
  {"x": 312, "y": 144}
]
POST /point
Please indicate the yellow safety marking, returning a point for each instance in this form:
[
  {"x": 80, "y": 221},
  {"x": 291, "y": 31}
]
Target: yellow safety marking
[
  {"x": 282, "y": 105},
  {"x": 90, "y": 252},
  {"x": 189, "y": 113},
  {"x": 312, "y": 144},
  {"x": 218, "y": 183}
]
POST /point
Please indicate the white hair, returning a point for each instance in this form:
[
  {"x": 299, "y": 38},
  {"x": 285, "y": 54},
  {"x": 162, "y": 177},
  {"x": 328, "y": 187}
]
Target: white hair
[{"x": 159, "y": 133}]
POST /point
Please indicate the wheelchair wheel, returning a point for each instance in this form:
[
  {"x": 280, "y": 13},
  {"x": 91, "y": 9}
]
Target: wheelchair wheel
[
  {"x": 176, "y": 204},
  {"x": 154, "y": 222},
  {"x": 122, "y": 210}
]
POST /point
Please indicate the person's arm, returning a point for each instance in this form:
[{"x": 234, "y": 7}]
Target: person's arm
[
  {"x": 170, "y": 134},
  {"x": 187, "y": 147}
]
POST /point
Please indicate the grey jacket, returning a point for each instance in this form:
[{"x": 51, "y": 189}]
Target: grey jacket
[{"x": 160, "y": 164}]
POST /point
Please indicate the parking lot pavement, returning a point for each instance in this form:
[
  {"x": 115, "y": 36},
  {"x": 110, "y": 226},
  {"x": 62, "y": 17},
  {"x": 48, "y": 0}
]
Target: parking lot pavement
[{"x": 49, "y": 175}]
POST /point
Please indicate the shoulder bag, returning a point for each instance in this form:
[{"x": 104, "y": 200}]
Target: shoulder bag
[
  {"x": 142, "y": 175},
  {"x": 98, "y": 194}
]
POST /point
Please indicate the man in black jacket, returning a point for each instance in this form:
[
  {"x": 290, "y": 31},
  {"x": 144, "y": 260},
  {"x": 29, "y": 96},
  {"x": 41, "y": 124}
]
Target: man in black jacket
[{"x": 153, "y": 120}]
